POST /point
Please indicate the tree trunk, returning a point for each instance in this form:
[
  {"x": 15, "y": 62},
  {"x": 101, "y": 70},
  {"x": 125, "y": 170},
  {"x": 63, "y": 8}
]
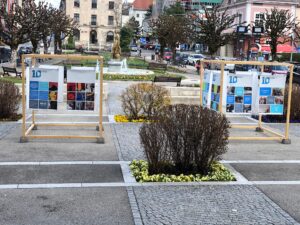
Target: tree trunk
[
  {"x": 34, "y": 46},
  {"x": 274, "y": 50},
  {"x": 45, "y": 45},
  {"x": 13, "y": 57},
  {"x": 174, "y": 53}
]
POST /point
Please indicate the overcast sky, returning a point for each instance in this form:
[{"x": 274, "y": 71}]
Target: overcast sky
[{"x": 53, "y": 2}]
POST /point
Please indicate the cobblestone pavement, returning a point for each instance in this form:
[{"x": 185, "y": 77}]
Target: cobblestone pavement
[
  {"x": 127, "y": 140},
  {"x": 226, "y": 205},
  {"x": 6, "y": 127}
]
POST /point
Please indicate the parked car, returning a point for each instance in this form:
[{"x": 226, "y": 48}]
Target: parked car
[
  {"x": 5, "y": 54},
  {"x": 184, "y": 58},
  {"x": 149, "y": 46},
  {"x": 276, "y": 69},
  {"x": 167, "y": 56},
  {"x": 133, "y": 48},
  {"x": 192, "y": 59}
]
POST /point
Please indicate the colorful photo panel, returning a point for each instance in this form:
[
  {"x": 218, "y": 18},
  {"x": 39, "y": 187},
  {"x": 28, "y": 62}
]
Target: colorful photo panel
[
  {"x": 271, "y": 94},
  {"x": 239, "y": 99},
  {"x": 43, "y": 95},
  {"x": 80, "y": 96}
]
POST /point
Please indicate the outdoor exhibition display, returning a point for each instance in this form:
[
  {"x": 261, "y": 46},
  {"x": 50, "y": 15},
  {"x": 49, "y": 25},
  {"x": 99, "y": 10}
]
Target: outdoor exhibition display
[
  {"x": 243, "y": 93},
  {"x": 45, "y": 89}
]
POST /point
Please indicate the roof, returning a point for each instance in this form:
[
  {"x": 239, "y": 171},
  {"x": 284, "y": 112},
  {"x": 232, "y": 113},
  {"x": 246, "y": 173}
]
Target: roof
[{"x": 142, "y": 4}]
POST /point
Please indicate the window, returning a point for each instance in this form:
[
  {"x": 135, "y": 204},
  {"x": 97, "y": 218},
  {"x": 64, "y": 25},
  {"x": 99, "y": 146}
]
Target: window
[
  {"x": 110, "y": 36},
  {"x": 259, "y": 19},
  {"x": 94, "y": 4},
  {"x": 94, "y": 20},
  {"x": 110, "y": 20},
  {"x": 76, "y": 3},
  {"x": 111, "y": 5},
  {"x": 76, "y": 17},
  {"x": 137, "y": 15},
  {"x": 76, "y": 35}
]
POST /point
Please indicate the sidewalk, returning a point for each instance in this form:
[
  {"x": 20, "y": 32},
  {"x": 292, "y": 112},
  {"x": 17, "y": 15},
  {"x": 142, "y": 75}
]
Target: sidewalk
[{"x": 68, "y": 182}]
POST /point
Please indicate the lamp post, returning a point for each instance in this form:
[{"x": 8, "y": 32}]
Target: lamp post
[{"x": 256, "y": 31}]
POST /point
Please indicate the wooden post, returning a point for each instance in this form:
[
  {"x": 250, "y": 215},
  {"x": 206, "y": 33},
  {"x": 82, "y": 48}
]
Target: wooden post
[
  {"x": 23, "y": 137},
  {"x": 286, "y": 139},
  {"x": 101, "y": 139},
  {"x": 201, "y": 81},
  {"x": 221, "y": 87}
]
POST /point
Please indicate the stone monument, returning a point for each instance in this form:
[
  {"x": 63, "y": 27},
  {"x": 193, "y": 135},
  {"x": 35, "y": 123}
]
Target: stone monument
[{"x": 116, "y": 64}]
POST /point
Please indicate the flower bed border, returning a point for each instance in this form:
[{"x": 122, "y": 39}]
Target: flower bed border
[{"x": 220, "y": 173}]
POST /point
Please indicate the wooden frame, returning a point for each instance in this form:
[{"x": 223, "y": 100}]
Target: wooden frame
[
  {"x": 26, "y": 132},
  {"x": 284, "y": 138}
]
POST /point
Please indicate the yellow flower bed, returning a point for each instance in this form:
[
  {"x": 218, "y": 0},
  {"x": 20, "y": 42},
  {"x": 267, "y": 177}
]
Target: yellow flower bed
[{"x": 124, "y": 119}]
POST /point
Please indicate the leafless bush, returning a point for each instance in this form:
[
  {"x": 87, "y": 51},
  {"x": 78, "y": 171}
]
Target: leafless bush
[
  {"x": 184, "y": 139},
  {"x": 295, "y": 107},
  {"x": 9, "y": 100},
  {"x": 144, "y": 100}
]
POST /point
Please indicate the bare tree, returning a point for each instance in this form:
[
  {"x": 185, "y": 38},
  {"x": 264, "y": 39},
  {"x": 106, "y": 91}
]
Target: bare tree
[
  {"x": 62, "y": 26},
  {"x": 211, "y": 29},
  {"x": 279, "y": 26},
  {"x": 171, "y": 30},
  {"x": 12, "y": 31}
]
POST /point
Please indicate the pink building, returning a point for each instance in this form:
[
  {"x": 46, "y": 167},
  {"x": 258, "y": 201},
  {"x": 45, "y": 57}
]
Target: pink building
[{"x": 251, "y": 12}]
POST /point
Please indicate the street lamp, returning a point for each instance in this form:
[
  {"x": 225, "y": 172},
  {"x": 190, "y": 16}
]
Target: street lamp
[{"x": 256, "y": 31}]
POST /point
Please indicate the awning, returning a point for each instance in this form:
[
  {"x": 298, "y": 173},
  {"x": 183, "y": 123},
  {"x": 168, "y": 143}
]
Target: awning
[{"x": 285, "y": 48}]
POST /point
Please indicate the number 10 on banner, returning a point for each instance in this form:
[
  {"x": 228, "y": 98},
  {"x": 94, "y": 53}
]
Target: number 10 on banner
[{"x": 36, "y": 73}]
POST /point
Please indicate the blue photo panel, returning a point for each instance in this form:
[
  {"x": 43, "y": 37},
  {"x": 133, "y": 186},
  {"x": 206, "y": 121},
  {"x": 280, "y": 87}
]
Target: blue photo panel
[
  {"x": 248, "y": 99},
  {"x": 217, "y": 98},
  {"x": 239, "y": 91},
  {"x": 43, "y": 95},
  {"x": 230, "y": 99},
  {"x": 33, "y": 104},
  {"x": 33, "y": 95},
  {"x": 265, "y": 91},
  {"x": 276, "y": 109},
  {"x": 80, "y": 96},
  {"x": 43, "y": 86},
  {"x": 34, "y": 86},
  {"x": 43, "y": 104}
]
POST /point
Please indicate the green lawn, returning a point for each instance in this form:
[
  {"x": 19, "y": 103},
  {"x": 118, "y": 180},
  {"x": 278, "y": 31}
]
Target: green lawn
[
  {"x": 137, "y": 77},
  {"x": 15, "y": 80}
]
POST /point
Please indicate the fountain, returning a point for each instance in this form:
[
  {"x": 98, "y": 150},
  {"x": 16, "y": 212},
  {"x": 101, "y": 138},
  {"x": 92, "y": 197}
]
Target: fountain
[{"x": 118, "y": 66}]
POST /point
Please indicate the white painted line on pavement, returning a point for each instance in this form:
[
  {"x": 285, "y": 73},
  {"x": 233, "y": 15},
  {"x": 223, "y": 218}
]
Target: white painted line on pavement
[
  {"x": 66, "y": 163},
  {"x": 64, "y": 185},
  {"x": 116, "y": 184},
  {"x": 8, "y": 186},
  {"x": 297, "y": 182},
  {"x": 239, "y": 177},
  {"x": 260, "y": 161}
]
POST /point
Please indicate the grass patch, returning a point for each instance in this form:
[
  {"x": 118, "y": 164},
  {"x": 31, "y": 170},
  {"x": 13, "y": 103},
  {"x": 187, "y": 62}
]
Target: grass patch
[
  {"x": 137, "y": 77},
  {"x": 15, "y": 80},
  {"x": 175, "y": 70},
  {"x": 139, "y": 169}
]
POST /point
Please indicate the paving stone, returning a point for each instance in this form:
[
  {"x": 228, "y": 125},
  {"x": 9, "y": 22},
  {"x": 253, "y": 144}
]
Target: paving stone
[{"x": 208, "y": 205}]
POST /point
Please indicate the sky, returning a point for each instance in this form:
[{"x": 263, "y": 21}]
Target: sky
[
  {"x": 53, "y": 2},
  {"x": 56, "y": 2}
]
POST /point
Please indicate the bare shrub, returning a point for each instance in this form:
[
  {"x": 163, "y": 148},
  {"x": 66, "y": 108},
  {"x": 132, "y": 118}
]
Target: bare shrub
[
  {"x": 9, "y": 100},
  {"x": 295, "y": 106},
  {"x": 144, "y": 100},
  {"x": 184, "y": 139}
]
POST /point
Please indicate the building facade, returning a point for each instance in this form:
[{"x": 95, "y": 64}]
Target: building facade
[
  {"x": 97, "y": 21},
  {"x": 251, "y": 13}
]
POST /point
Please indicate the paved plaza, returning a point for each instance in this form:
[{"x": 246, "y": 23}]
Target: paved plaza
[{"x": 79, "y": 182}]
